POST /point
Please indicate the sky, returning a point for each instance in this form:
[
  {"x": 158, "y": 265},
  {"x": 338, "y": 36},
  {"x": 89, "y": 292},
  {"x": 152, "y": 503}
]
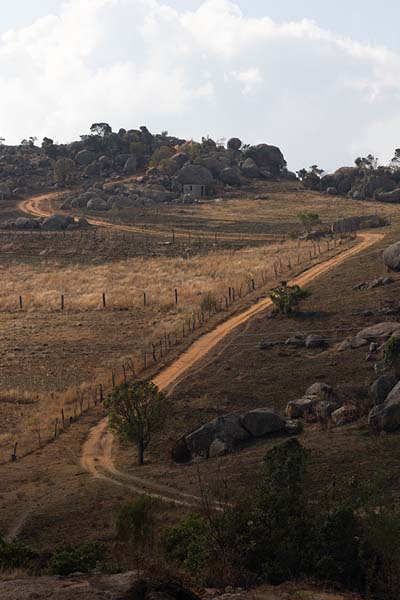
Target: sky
[{"x": 321, "y": 80}]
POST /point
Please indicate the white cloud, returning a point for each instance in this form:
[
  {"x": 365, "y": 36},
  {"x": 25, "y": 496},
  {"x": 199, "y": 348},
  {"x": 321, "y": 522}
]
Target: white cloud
[{"x": 320, "y": 96}]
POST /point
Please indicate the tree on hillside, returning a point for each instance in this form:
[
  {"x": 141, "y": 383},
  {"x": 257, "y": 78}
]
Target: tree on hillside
[
  {"x": 2, "y": 140},
  {"x": 137, "y": 411},
  {"x": 101, "y": 129},
  {"x": 287, "y": 298},
  {"x": 63, "y": 169},
  {"x": 309, "y": 220},
  {"x": 395, "y": 162},
  {"x": 367, "y": 163}
]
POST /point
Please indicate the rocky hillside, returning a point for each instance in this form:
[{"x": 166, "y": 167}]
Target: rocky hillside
[{"x": 166, "y": 161}]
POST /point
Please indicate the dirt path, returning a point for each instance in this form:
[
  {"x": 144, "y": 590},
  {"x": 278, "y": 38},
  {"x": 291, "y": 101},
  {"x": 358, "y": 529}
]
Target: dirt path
[
  {"x": 42, "y": 206},
  {"x": 97, "y": 456}
]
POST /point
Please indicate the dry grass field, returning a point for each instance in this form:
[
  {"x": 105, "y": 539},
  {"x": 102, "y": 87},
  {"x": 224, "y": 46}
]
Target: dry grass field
[{"x": 264, "y": 208}]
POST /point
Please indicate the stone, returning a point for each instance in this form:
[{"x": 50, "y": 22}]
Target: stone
[
  {"x": 227, "y": 428},
  {"x": 296, "y": 409},
  {"x": 231, "y": 176},
  {"x": 26, "y": 223},
  {"x": 392, "y": 197},
  {"x": 218, "y": 448},
  {"x": 322, "y": 390},
  {"x": 358, "y": 342},
  {"x": 234, "y": 143},
  {"x": 196, "y": 175},
  {"x": 382, "y": 387},
  {"x": 391, "y": 257},
  {"x": 261, "y": 422},
  {"x": 297, "y": 341},
  {"x": 85, "y": 157},
  {"x": 332, "y": 191},
  {"x": 316, "y": 341},
  {"x": 293, "y": 427},
  {"x": 57, "y": 222},
  {"x": 130, "y": 166},
  {"x": 380, "y": 331},
  {"x": 267, "y": 157},
  {"x": 386, "y": 417},
  {"x": 97, "y": 204},
  {"x": 249, "y": 169},
  {"x": 105, "y": 162},
  {"x": 344, "y": 415}
]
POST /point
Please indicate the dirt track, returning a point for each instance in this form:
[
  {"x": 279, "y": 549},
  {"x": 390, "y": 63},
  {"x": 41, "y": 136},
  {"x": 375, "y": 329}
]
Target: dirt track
[
  {"x": 97, "y": 451},
  {"x": 41, "y": 206}
]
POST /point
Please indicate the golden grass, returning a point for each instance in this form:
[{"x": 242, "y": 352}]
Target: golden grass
[
  {"x": 29, "y": 418},
  {"x": 125, "y": 282}
]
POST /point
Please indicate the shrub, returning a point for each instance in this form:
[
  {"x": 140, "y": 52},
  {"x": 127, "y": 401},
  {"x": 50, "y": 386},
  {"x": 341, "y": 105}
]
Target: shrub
[
  {"x": 189, "y": 544},
  {"x": 288, "y": 297},
  {"x": 209, "y": 303},
  {"x": 17, "y": 555},
  {"x": 84, "y": 558}
]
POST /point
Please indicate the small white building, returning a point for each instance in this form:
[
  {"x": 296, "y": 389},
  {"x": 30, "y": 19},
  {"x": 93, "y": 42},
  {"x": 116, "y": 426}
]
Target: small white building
[{"x": 195, "y": 190}]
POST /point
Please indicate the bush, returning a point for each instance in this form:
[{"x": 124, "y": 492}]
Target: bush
[
  {"x": 288, "y": 297},
  {"x": 189, "y": 544},
  {"x": 84, "y": 558},
  {"x": 209, "y": 303},
  {"x": 17, "y": 555}
]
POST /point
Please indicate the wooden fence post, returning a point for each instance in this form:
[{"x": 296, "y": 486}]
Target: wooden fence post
[
  {"x": 101, "y": 393},
  {"x": 62, "y": 302},
  {"x": 144, "y": 299},
  {"x": 63, "y": 418},
  {"x": 14, "y": 454},
  {"x": 154, "y": 352},
  {"x": 20, "y": 302},
  {"x": 176, "y": 296},
  {"x": 113, "y": 378},
  {"x": 104, "y": 300},
  {"x": 56, "y": 428}
]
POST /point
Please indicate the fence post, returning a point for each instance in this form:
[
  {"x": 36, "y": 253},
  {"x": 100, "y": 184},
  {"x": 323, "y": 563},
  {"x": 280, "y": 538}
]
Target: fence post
[
  {"x": 62, "y": 302},
  {"x": 113, "y": 378},
  {"x": 63, "y": 418},
  {"x": 144, "y": 299},
  {"x": 176, "y": 296},
  {"x": 14, "y": 454},
  {"x": 124, "y": 371},
  {"x": 20, "y": 302},
  {"x": 56, "y": 428},
  {"x": 154, "y": 352},
  {"x": 101, "y": 393},
  {"x": 104, "y": 300}
]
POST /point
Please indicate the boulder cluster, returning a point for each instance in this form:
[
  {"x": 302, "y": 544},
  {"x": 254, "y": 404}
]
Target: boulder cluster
[
  {"x": 380, "y": 183},
  {"x": 55, "y": 222},
  {"x": 169, "y": 162},
  {"x": 227, "y": 433}
]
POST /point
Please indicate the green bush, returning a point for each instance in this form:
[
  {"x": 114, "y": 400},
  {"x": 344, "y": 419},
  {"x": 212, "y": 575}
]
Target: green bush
[
  {"x": 189, "y": 544},
  {"x": 17, "y": 555},
  {"x": 84, "y": 558}
]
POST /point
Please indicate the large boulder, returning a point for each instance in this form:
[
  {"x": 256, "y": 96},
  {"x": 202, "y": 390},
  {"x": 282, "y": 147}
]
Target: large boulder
[
  {"x": 386, "y": 417},
  {"x": 227, "y": 428},
  {"x": 297, "y": 409},
  {"x": 196, "y": 175},
  {"x": 234, "y": 143},
  {"x": 130, "y": 165},
  {"x": 249, "y": 169},
  {"x": 391, "y": 257},
  {"x": 344, "y": 415},
  {"x": 392, "y": 197},
  {"x": 105, "y": 162},
  {"x": 269, "y": 157},
  {"x": 378, "y": 332},
  {"x": 57, "y": 222},
  {"x": 85, "y": 157},
  {"x": 320, "y": 389},
  {"x": 26, "y": 223},
  {"x": 382, "y": 387},
  {"x": 262, "y": 421},
  {"x": 231, "y": 176},
  {"x": 97, "y": 204},
  {"x": 316, "y": 341}
]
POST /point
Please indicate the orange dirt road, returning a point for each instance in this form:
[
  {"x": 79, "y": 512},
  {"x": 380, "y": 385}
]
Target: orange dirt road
[
  {"x": 97, "y": 451},
  {"x": 42, "y": 206}
]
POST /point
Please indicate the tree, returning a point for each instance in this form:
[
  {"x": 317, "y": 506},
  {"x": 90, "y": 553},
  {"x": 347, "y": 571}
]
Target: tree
[
  {"x": 101, "y": 129},
  {"x": 288, "y": 297},
  {"x": 367, "y": 163},
  {"x": 63, "y": 169},
  {"x": 137, "y": 411},
  {"x": 395, "y": 162},
  {"x": 309, "y": 219},
  {"x": 391, "y": 355},
  {"x": 32, "y": 140},
  {"x": 2, "y": 140}
]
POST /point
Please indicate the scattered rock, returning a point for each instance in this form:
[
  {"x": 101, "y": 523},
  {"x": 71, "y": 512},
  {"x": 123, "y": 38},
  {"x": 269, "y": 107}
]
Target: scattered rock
[
  {"x": 391, "y": 257},
  {"x": 382, "y": 387},
  {"x": 97, "y": 204},
  {"x": 386, "y": 417},
  {"x": 57, "y": 222},
  {"x": 344, "y": 415},
  {"x": 316, "y": 341},
  {"x": 378, "y": 332},
  {"x": 227, "y": 428}
]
